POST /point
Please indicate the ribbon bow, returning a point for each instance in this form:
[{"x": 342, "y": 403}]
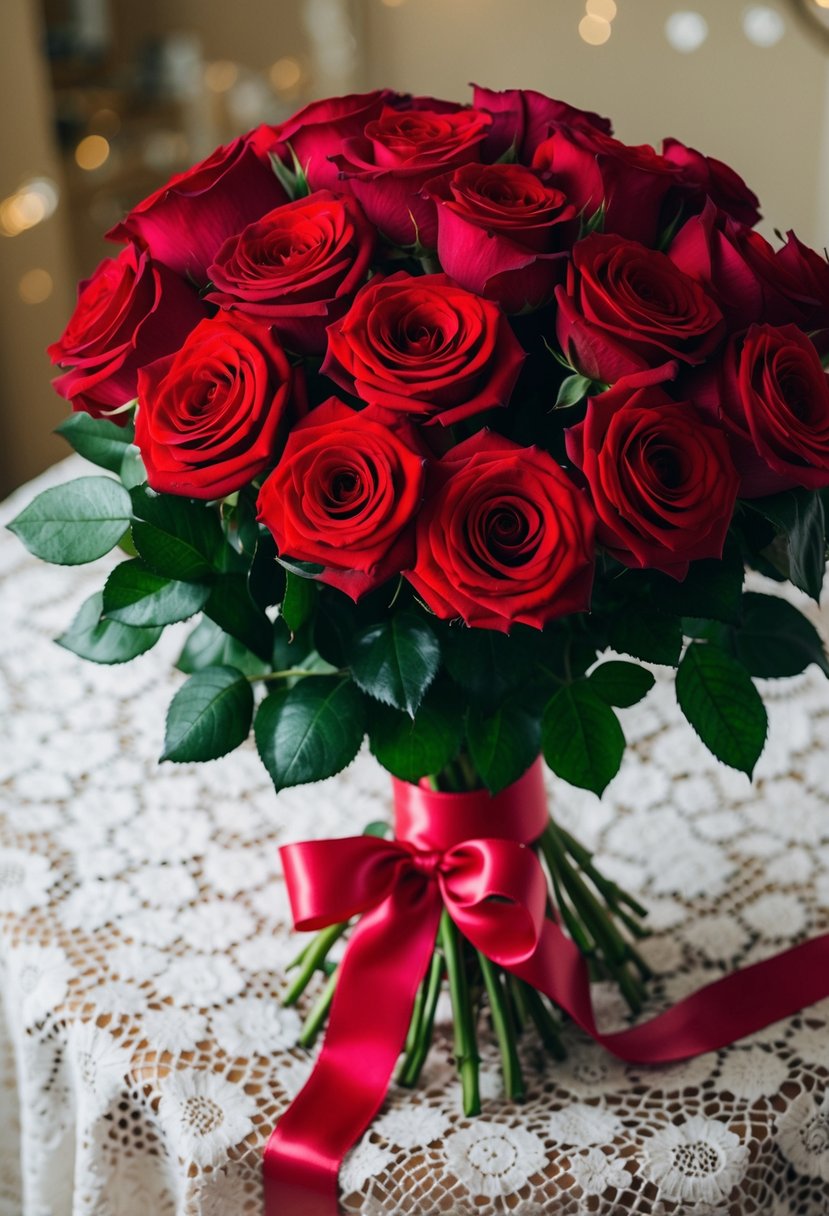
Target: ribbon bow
[{"x": 466, "y": 853}]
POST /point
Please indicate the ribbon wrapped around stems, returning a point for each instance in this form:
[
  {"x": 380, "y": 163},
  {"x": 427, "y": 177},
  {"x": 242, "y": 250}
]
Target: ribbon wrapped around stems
[{"x": 467, "y": 853}]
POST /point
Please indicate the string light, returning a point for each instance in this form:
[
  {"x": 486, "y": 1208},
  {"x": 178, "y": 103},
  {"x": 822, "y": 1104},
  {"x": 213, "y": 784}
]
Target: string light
[
  {"x": 92, "y": 152},
  {"x": 594, "y": 30},
  {"x": 35, "y": 286}
]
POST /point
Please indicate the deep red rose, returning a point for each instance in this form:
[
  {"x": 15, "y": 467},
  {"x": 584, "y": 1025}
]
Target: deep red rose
[
  {"x": 344, "y": 495},
  {"x": 185, "y": 222},
  {"x": 421, "y": 345},
  {"x": 209, "y": 416},
  {"x": 297, "y": 268},
  {"x": 523, "y": 118},
  {"x": 807, "y": 276},
  {"x": 771, "y": 394},
  {"x": 595, "y": 171},
  {"x": 130, "y": 311},
  {"x": 399, "y": 152},
  {"x": 706, "y": 177},
  {"x": 504, "y": 537},
  {"x": 661, "y": 477},
  {"x": 318, "y": 130},
  {"x": 627, "y": 308},
  {"x": 502, "y": 232}
]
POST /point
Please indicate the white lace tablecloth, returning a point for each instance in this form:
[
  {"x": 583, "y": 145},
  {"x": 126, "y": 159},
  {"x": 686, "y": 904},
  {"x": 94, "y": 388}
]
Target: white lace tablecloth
[{"x": 144, "y": 933}]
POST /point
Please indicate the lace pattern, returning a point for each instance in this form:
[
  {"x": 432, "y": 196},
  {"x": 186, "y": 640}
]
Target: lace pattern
[{"x": 144, "y": 1056}]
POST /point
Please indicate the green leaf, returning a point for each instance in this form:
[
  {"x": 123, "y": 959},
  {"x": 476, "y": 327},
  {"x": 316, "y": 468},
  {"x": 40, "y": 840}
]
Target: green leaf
[
  {"x": 136, "y": 595},
  {"x": 801, "y": 552},
  {"x": 302, "y": 569},
  {"x": 132, "y": 471},
  {"x": 395, "y": 660},
  {"x": 411, "y": 748},
  {"x": 266, "y": 578},
  {"x": 652, "y": 636},
  {"x": 105, "y": 641},
  {"x": 76, "y": 522},
  {"x": 298, "y": 601},
  {"x": 581, "y": 738},
  {"x": 233, "y": 610},
  {"x": 96, "y": 439},
  {"x": 572, "y": 390},
  {"x": 176, "y": 537},
  {"x": 210, "y": 646},
  {"x": 773, "y": 639},
  {"x": 208, "y": 716},
  {"x": 712, "y": 587},
  {"x": 620, "y": 684},
  {"x": 503, "y": 745},
  {"x": 310, "y": 731},
  {"x": 716, "y": 695},
  {"x": 486, "y": 663}
]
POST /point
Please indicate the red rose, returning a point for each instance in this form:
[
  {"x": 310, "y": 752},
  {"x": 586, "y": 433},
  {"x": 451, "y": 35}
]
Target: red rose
[
  {"x": 421, "y": 345},
  {"x": 706, "y": 177},
  {"x": 662, "y": 479},
  {"x": 344, "y": 495},
  {"x": 627, "y": 308},
  {"x": 399, "y": 152},
  {"x": 296, "y": 268},
  {"x": 503, "y": 538},
  {"x": 772, "y": 395},
  {"x": 130, "y": 312},
  {"x": 523, "y": 118},
  {"x": 185, "y": 222},
  {"x": 808, "y": 275},
  {"x": 209, "y": 416},
  {"x": 595, "y": 171},
  {"x": 316, "y": 132},
  {"x": 501, "y": 232}
]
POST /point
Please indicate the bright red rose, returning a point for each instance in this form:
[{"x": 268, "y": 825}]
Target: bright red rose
[
  {"x": 772, "y": 395},
  {"x": 297, "y": 268},
  {"x": 209, "y": 416},
  {"x": 185, "y": 222},
  {"x": 130, "y": 311},
  {"x": 344, "y": 495},
  {"x": 504, "y": 537},
  {"x": 502, "y": 232},
  {"x": 421, "y": 345},
  {"x": 706, "y": 177},
  {"x": 316, "y": 132},
  {"x": 627, "y": 308},
  {"x": 661, "y": 477},
  {"x": 594, "y": 171},
  {"x": 399, "y": 152},
  {"x": 523, "y": 118}
]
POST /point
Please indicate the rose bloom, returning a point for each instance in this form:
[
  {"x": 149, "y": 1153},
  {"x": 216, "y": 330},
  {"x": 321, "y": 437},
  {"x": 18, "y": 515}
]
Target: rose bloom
[
  {"x": 317, "y": 131},
  {"x": 594, "y": 170},
  {"x": 502, "y": 233},
  {"x": 772, "y": 395},
  {"x": 130, "y": 311},
  {"x": 626, "y": 308},
  {"x": 209, "y": 416},
  {"x": 523, "y": 118},
  {"x": 661, "y": 477},
  {"x": 706, "y": 177},
  {"x": 296, "y": 268},
  {"x": 421, "y": 345},
  {"x": 503, "y": 538},
  {"x": 185, "y": 222},
  {"x": 344, "y": 495},
  {"x": 399, "y": 152}
]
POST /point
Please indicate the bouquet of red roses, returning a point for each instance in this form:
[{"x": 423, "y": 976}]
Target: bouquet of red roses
[{"x": 422, "y": 409}]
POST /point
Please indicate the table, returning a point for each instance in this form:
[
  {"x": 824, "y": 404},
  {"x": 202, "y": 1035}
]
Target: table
[{"x": 144, "y": 1055}]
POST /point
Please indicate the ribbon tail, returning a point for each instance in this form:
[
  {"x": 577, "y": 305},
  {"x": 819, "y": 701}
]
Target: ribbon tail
[
  {"x": 712, "y": 1017},
  {"x": 383, "y": 966}
]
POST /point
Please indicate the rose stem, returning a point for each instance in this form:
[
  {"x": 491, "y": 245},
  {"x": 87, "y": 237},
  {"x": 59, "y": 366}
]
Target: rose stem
[
  {"x": 319, "y": 1012},
  {"x": 519, "y": 1005},
  {"x": 466, "y": 1047},
  {"x": 546, "y": 1024},
  {"x": 416, "y": 1056},
  {"x": 504, "y": 1029},
  {"x": 613, "y": 893},
  {"x": 314, "y": 956}
]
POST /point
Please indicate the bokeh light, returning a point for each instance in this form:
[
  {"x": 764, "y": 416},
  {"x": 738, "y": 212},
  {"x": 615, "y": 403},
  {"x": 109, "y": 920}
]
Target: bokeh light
[
  {"x": 92, "y": 152},
  {"x": 594, "y": 30},
  {"x": 35, "y": 286}
]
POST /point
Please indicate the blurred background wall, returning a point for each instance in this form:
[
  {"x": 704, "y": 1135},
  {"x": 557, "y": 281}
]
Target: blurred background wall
[{"x": 102, "y": 100}]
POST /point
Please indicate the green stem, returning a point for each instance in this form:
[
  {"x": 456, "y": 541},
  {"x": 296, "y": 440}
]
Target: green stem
[
  {"x": 613, "y": 893},
  {"x": 546, "y": 1024},
  {"x": 466, "y": 1046},
  {"x": 314, "y": 957},
  {"x": 290, "y": 672},
  {"x": 504, "y": 1028},
  {"x": 319, "y": 1012},
  {"x": 416, "y": 1057},
  {"x": 521, "y": 1013}
]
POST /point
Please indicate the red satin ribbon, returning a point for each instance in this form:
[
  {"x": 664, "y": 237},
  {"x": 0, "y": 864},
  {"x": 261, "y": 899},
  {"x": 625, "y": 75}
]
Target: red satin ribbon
[{"x": 467, "y": 853}]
